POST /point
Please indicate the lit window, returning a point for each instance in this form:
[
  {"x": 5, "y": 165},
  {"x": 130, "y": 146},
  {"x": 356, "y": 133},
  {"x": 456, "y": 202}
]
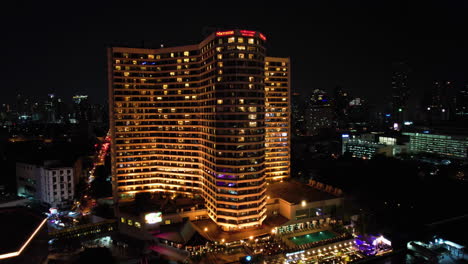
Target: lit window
[
  {"x": 167, "y": 222},
  {"x": 240, "y": 40},
  {"x": 118, "y": 68},
  {"x": 164, "y": 86},
  {"x": 172, "y": 73},
  {"x": 231, "y": 39},
  {"x": 159, "y": 98},
  {"x": 251, "y": 78},
  {"x": 241, "y": 47},
  {"x": 134, "y": 62},
  {"x": 137, "y": 225},
  {"x": 172, "y": 54},
  {"x": 241, "y": 56},
  {"x": 186, "y": 60},
  {"x": 150, "y": 56},
  {"x": 252, "y": 124},
  {"x": 122, "y": 219},
  {"x": 241, "y": 101},
  {"x": 186, "y": 53},
  {"x": 220, "y": 101},
  {"x": 126, "y": 74},
  {"x": 179, "y": 79},
  {"x": 220, "y": 56},
  {"x": 117, "y": 61},
  {"x": 251, "y": 41},
  {"x": 130, "y": 222},
  {"x": 158, "y": 57},
  {"x": 187, "y": 84},
  {"x": 252, "y": 116},
  {"x": 251, "y": 56}
]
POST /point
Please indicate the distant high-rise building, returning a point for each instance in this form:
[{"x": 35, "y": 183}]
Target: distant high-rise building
[
  {"x": 5, "y": 113},
  {"x": 199, "y": 120},
  {"x": 438, "y": 102},
  {"x": 319, "y": 113},
  {"x": 80, "y": 108},
  {"x": 400, "y": 92},
  {"x": 341, "y": 105},
  {"x": 461, "y": 104},
  {"x": 297, "y": 114},
  {"x": 51, "y": 108},
  {"x": 23, "y": 107}
]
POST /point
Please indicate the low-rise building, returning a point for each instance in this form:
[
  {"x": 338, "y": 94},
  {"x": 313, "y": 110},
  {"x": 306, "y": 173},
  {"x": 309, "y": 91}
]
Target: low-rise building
[
  {"x": 446, "y": 145},
  {"x": 50, "y": 182},
  {"x": 366, "y": 146},
  {"x": 302, "y": 205}
]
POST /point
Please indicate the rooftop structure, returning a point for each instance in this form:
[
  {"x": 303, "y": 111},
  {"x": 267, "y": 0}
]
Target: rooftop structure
[{"x": 23, "y": 235}]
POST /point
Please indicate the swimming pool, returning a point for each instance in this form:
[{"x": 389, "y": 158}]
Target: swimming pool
[{"x": 312, "y": 237}]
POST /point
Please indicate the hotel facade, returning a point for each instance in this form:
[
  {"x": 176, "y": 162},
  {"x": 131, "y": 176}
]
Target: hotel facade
[{"x": 209, "y": 120}]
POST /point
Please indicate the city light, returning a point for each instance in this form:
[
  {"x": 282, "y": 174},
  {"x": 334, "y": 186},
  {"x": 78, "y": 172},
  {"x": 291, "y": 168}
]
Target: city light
[
  {"x": 225, "y": 33},
  {"x": 153, "y": 218}
]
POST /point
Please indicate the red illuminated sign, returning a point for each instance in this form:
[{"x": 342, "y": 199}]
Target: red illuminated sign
[
  {"x": 262, "y": 37},
  {"x": 247, "y": 33},
  {"x": 224, "y": 33}
]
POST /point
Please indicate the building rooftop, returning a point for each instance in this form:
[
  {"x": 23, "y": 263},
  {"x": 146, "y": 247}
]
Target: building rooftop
[
  {"x": 296, "y": 192},
  {"x": 18, "y": 225},
  {"x": 164, "y": 205}
]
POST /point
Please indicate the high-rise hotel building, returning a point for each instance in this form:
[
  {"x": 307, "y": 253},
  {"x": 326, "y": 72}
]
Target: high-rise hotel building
[{"x": 210, "y": 119}]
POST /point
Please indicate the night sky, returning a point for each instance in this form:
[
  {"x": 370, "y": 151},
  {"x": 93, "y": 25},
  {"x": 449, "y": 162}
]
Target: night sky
[{"x": 61, "y": 49}]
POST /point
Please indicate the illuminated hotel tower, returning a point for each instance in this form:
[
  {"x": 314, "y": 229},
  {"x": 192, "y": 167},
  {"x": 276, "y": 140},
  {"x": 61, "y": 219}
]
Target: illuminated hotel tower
[
  {"x": 277, "y": 118},
  {"x": 190, "y": 120}
]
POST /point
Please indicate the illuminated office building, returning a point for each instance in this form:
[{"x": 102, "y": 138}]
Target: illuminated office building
[
  {"x": 450, "y": 146},
  {"x": 190, "y": 121}
]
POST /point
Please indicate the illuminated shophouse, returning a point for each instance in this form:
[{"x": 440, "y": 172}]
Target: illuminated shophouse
[{"x": 190, "y": 121}]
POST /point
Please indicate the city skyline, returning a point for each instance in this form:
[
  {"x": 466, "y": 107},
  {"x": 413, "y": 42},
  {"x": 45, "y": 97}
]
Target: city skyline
[{"x": 352, "y": 45}]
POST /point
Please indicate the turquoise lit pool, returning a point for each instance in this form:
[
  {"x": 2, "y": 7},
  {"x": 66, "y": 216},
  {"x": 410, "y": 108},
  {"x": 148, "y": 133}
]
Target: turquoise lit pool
[{"x": 312, "y": 237}]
